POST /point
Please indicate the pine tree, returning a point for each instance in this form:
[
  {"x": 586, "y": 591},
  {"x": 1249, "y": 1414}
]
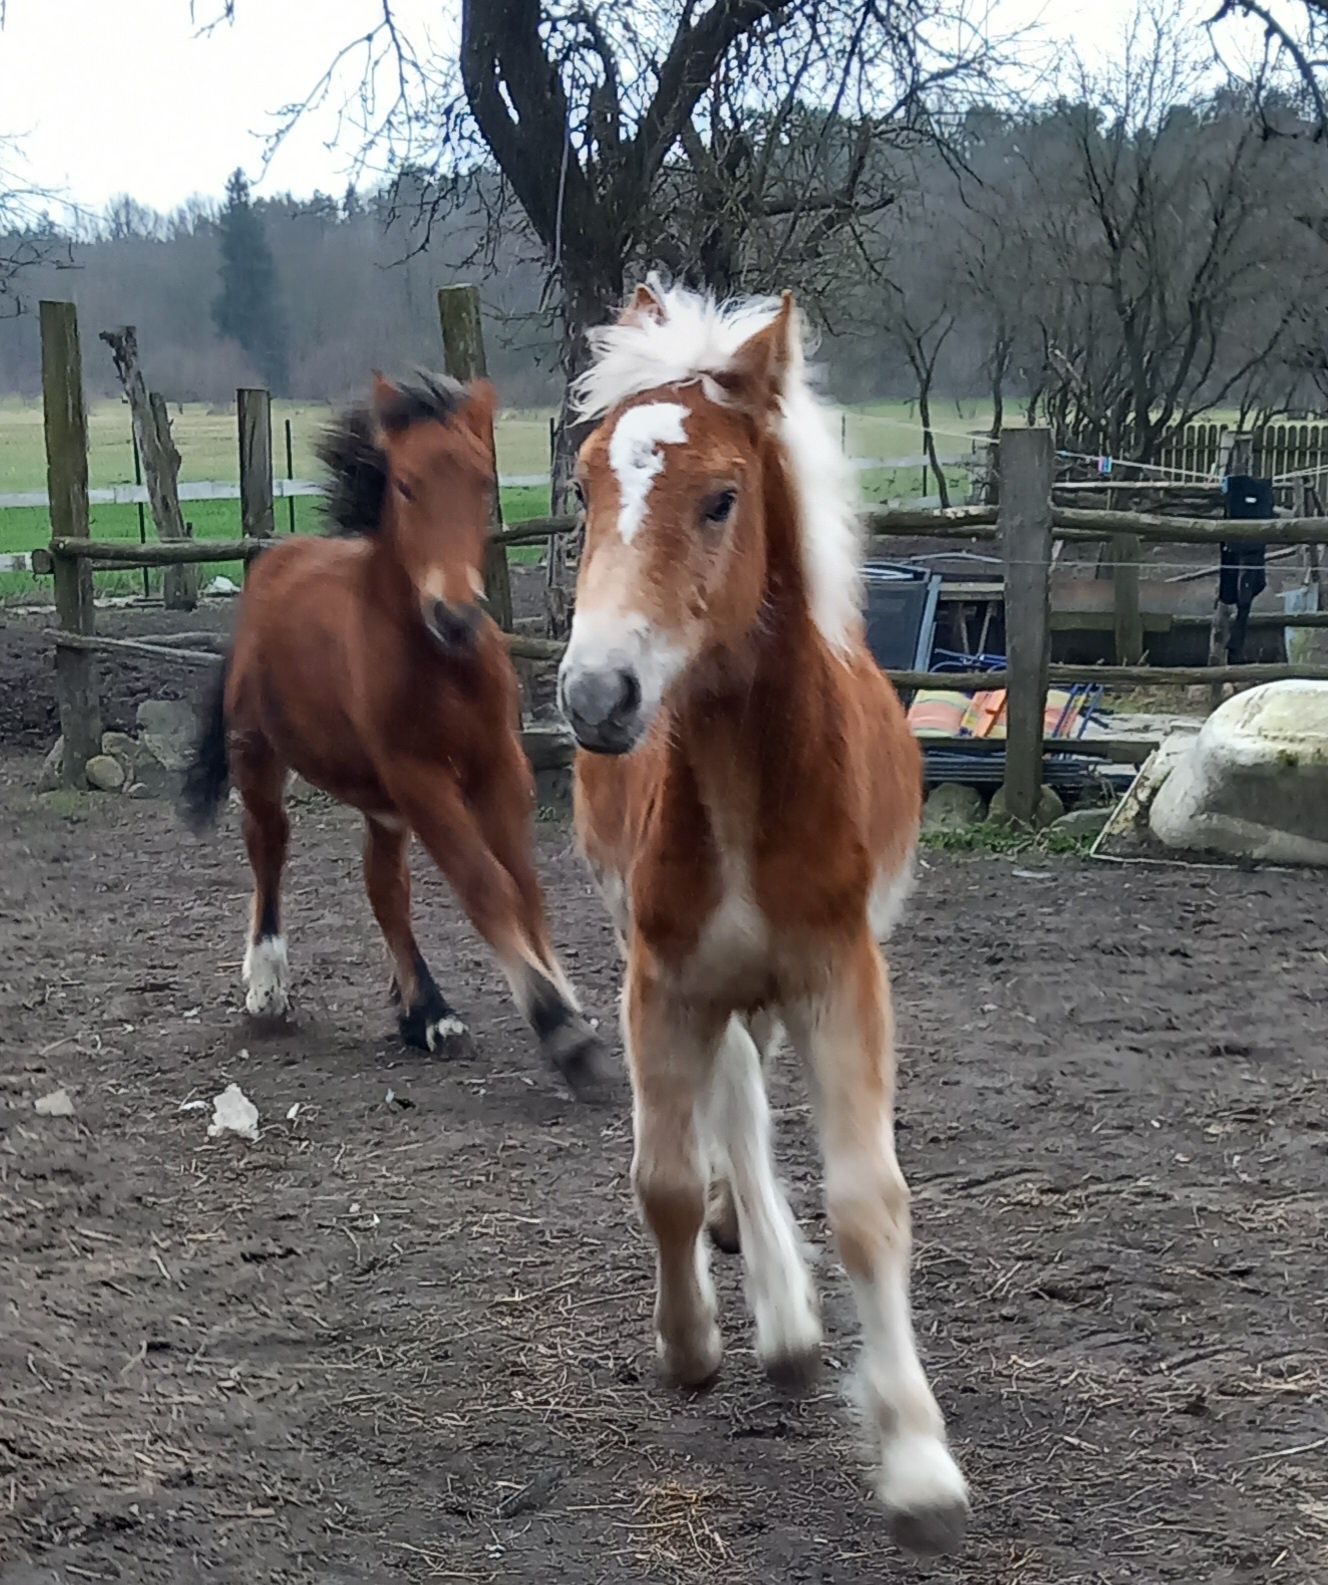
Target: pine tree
[{"x": 249, "y": 310}]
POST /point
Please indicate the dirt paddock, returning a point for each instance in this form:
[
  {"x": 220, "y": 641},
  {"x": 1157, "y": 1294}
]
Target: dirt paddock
[{"x": 406, "y": 1336}]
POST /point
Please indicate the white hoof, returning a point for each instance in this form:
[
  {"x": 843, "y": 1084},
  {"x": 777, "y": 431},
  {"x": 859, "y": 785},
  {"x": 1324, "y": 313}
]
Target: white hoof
[
  {"x": 449, "y": 1037},
  {"x": 694, "y": 1361},
  {"x": 924, "y": 1494},
  {"x": 266, "y": 975}
]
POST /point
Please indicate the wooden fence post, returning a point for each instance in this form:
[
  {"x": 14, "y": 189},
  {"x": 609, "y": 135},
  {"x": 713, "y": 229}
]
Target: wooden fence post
[
  {"x": 1127, "y": 620},
  {"x": 1024, "y": 517},
  {"x": 464, "y": 360},
  {"x": 253, "y": 410},
  {"x": 66, "y": 426}
]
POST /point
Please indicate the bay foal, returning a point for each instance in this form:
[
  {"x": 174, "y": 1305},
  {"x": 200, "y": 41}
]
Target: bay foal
[
  {"x": 366, "y": 663},
  {"x": 748, "y": 799}
]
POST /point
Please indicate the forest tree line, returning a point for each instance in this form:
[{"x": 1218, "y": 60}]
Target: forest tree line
[{"x": 1144, "y": 247}]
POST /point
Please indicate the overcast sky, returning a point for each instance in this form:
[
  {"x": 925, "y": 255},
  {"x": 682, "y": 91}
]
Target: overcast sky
[{"x": 141, "y": 103}]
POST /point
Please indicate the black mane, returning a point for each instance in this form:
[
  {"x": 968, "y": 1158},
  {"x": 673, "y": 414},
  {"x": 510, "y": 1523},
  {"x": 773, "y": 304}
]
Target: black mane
[{"x": 349, "y": 450}]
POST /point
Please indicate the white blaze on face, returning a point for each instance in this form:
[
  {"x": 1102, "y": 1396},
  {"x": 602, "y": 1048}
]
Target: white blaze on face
[{"x": 636, "y": 459}]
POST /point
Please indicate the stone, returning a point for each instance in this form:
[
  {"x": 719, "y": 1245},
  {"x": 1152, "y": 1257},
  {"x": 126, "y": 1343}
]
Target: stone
[
  {"x": 56, "y": 1104},
  {"x": 1253, "y": 783},
  {"x": 1082, "y": 823},
  {"x": 119, "y": 745},
  {"x": 51, "y": 775},
  {"x": 105, "y": 773},
  {"x": 169, "y": 729},
  {"x": 951, "y": 807},
  {"x": 1049, "y": 808},
  {"x": 153, "y": 779},
  {"x": 138, "y": 790}
]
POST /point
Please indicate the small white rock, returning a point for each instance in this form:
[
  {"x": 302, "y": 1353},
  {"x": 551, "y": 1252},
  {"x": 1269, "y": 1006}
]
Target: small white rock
[
  {"x": 233, "y": 1113},
  {"x": 56, "y": 1104},
  {"x": 293, "y": 1112}
]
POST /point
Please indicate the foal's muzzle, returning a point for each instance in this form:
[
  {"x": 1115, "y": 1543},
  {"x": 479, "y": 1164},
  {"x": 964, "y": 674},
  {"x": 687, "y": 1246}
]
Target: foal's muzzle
[
  {"x": 454, "y": 626},
  {"x": 603, "y": 708}
]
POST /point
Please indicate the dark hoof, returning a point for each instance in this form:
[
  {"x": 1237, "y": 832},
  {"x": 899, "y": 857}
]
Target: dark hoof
[
  {"x": 444, "y": 1036},
  {"x": 931, "y": 1532},
  {"x": 794, "y": 1375},
  {"x": 577, "y": 1052}
]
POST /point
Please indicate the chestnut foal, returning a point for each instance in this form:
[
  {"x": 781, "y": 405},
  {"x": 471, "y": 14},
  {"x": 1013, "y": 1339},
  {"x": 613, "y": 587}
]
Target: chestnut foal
[
  {"x": 748, "y": 798},
  {"x": 366, "y": 663}
]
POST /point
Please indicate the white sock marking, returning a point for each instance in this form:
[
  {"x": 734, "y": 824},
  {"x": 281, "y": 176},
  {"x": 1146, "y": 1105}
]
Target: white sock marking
[
  {"x": 266, "y": 976},
  {"x": 779, "y": 1285}
]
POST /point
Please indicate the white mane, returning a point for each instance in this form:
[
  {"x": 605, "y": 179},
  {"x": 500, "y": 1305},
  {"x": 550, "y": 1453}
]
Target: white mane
[{"x": 696, "y": 337}]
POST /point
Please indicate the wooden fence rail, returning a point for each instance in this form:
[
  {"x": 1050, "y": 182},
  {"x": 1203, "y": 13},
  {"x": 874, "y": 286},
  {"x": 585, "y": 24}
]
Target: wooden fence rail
[{"x": 1023, "y": 524}]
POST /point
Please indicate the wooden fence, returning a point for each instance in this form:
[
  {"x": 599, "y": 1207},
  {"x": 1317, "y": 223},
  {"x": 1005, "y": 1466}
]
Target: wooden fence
[
  {"x": 1277, "y": 449},
  {"x": 1022, "y": 525}
]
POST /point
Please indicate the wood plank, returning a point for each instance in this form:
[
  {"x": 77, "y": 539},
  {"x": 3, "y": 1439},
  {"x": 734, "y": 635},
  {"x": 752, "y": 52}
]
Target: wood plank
[
  {"x": 66, "y": 430},
  {"x": 1192, "y": 530},
  {"x": 1027, "y": 470},
  {"x": 464, "y": 359},
  {"x": 253, "y": 412},
  {"x": 128, "y": 553}
]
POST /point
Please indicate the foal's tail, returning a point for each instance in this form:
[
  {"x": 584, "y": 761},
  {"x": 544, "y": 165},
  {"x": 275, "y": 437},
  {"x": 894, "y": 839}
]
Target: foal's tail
[{"x": 208, "y": 777}]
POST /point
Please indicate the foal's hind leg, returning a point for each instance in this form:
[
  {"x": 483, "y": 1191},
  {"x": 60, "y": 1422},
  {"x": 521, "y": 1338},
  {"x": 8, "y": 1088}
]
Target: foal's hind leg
[
  {"x": 426, "y": 1019},
  {"x": 266, "y": 836},
  {"x": 779, "y": 1285}
]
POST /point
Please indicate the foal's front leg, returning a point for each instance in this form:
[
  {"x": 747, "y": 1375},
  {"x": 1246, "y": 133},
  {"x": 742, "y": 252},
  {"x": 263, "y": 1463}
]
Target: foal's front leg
[
  {"x": 670, "y": 1050},
  {"x": 426, "y": 1019},
  {"x": 455, "y": 842},
  {"x": 847, "y": 1035}
]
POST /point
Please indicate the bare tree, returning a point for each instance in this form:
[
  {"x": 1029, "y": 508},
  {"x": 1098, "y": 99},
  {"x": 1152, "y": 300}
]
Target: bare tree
[{"x": 28, "y": 237}]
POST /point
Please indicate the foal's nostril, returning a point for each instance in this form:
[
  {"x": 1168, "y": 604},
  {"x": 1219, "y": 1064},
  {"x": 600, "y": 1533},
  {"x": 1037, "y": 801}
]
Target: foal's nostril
[
  {"x": 629, "y": 689},
  {"x": 455, "y": 625}
]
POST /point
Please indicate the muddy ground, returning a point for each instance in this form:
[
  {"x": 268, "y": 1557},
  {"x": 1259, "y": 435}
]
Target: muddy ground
[{"x": 409, "y": 1339}]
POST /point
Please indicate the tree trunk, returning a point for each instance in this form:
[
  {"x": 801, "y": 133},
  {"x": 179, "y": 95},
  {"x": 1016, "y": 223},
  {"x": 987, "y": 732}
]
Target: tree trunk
[
  {"x": 161, "y": 464},
  {"x": 586, "y": 303},
  {"x": 929, "y": 440}
]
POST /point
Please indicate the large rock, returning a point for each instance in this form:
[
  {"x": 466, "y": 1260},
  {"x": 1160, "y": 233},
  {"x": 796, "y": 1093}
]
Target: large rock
[
  {"x": 105, "y": 773},
  {"x": 1254, "y": 783},
  {"x": 951, "y": 807},
  {"x": 1049, "y": 808},
  {"x": 168, "y": 728},
  {"x": 52, "y": 773}
]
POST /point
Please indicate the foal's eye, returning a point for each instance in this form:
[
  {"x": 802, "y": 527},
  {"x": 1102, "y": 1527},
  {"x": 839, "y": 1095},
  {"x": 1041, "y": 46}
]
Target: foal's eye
[
  {"x": 404, "y": 491},
  {"x": 719, "y": 508}
]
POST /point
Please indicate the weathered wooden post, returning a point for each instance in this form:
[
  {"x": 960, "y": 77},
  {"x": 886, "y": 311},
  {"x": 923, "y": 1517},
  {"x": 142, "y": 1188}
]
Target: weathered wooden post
[
  {"x": 253, "y": 409},
  {"x": 464, "y": 360},
  {"x": 161, "y": 462},
  {"x": 1024, "y": 519},
  {"x": 66, "y": 425},
  {"x": 1127, "y": 620}
]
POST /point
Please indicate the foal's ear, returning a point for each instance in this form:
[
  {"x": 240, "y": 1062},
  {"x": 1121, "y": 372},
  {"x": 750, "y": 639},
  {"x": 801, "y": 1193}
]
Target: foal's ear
[
  {"x": 645, "y": 305},
  {"x": 384, "y": 393},
  {"x": 756, "y": 373},
  {"x": 477, "y": 412}
]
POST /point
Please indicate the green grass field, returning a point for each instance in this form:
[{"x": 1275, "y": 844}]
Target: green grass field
[{"x": 206, "y": 438}]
